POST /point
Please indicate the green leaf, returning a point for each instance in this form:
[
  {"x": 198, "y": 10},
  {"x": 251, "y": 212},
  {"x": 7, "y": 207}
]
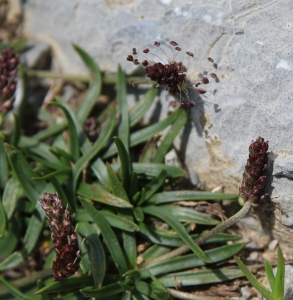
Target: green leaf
[
  {"x": 11, "y": 194},
  {"x": 170, "y": 136},
  {"x": 73, "y": 138},
  {"x": 184, "y": 214},
  {"x": 140, "y": 108},
  {"x": 189, "y": 261},
  {"x": 278, "y": 290},
  {"x": 53, "y": 174},
  {"x": 95, "y": 85},
  {"x": 145, "y": 133},
  {"x": 179, "y": 228},
  {"x": 150, "y": 290},
  {"x": 200, "y": 277},
  {"x": 138, "y": 213},
  {"x": 270, "y": 274},
  {"x": 100, "y": 170},
  {"x": 95, "y": 149},
  {"x": 170, "y": 238},
  {"x": 96, "y": 252},
  {"x": 155, "y": 184},
  {"x": 152, "y": 170},
  {"x": 125, "y": 163},
  {"x": 116, "y": 186},
  {"x": 113, "y": 219},
  {"x": 108, "y": 236},
  {"x": 15, "y": 292},
  {"x": 260, "y": 288},
  {"x": 4, "y": 171},
  {"x": 97, "y": 193},
  {"x": 123, "y": 127},
  {"x": 174, "y": 196},
  {"x": 106, "y": 291},
  {"x": 10, "y": 239},
  {"x": 23, "y": 172},
  {"x": 155, "y": 251},
  {"x": 16, "y": 131},
  {"x": 67, "y": 284},
  {"x": 133, "y": 185},
  {"x": 2, "y": 220}
]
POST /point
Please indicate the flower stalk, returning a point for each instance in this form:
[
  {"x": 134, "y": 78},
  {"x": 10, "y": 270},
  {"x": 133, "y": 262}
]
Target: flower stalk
[{"x": 250, "y": 194}]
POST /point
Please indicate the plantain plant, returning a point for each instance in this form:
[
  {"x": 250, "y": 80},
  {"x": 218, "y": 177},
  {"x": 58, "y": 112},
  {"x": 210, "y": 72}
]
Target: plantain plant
[{"x": 110, "y": 200}]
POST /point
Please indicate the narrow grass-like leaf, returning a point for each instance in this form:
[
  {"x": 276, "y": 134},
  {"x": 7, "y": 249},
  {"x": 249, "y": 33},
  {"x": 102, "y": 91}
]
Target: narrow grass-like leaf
[
  {"x": 16, "y": 133},
  {"x": 106, "y": 291},
  {"x": 53, "y": 174},
  {"x": 171, "y": 238},
  {"x": 108, "y": 236},
  {"x": 46, "y": 133},
  {"x": 191, "y": 261},
  {"x": 116, "y": 186},
  {"x": 113, "y": 219},
  {"x": 179, "y": 228},
  {"x": 278, "y": 290},
  {"x": 12, "y": 193},
  {"x": 15, "y": 292},
  {"x": 96, "y": 252},
  {"x": 152, "y": 170},
  {"x": 125, "y": 163},
  {"x": 155, "y": 184},
  {"x": 61, "y": 153},
  {"x": 95, "y": 85},
  {"x": 270, "y": 274},
  {"x": 140, "y": 108},
  {"x": 94, "y": 150},
  {"x": 97, "y": 193},
  {"x": 67, "y": 284},
  {"x": 2, "y": 220},
  {"x": 133, "y": 185},
  {"x": 148, "y": 290},
  {"x": 260, "y": 288},
  {"x": 155, "y": 251},
  {"x": 73, "y": 138},
  {"x": 200, "y": 277},
  {"x": 23, "y": 172},
  {"x": 138, "y": 213},
  {"x": 100, "y": 170},
  {"x": 170, "y": 136},
  {"x": 184, "y": 214},
  {"x": 174, "y": 196},
  {"x": 123, "y": 127},
  {"x": 145, "y": 133},
  {"x": 10, "y": 239},
  {"x": 4, "y": 171}
]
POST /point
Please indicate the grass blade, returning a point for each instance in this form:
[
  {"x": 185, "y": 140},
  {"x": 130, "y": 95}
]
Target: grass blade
[
  {"x": 174, "y": 196},
  {"x": 170, "y": 136},
  {"x": 260, "y": 288},
  {"x": 4, "y": 171},
  {"x": 179, "y": 228},
  {"x": 270, "y": 274},
  {"x": 95, "y": 85},
  {"x": 140, "y": 108},
  {"x": 123, "y": 127},
  {"x": 108, "y": 236},
  {"x": 278, "y": 290}
]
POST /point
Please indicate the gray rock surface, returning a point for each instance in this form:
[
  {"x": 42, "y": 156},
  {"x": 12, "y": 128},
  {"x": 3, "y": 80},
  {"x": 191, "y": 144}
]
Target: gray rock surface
[{"x": 251, "y": 42}]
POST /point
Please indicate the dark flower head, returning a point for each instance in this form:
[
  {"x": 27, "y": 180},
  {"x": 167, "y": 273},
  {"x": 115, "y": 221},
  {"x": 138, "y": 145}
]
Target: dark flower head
[
  {"x": 8, "y": 72},
  {"x": 171, "y": 74},
  {"x": 254, "y": 177},
  {"x": 63, "y": 235}
]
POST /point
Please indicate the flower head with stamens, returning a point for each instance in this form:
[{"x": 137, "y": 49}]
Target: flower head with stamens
[
  {"x": 172, "y": 74},
  {"x": 63, "y": 235},
  {"x": 254, "y": 177}
]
